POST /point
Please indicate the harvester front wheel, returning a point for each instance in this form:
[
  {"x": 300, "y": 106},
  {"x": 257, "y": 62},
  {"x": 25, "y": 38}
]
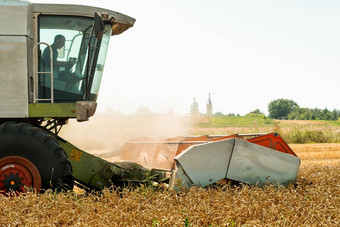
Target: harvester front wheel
[
  {"x": 17, "y": 173},
  {"x": 31, "y": 158}
]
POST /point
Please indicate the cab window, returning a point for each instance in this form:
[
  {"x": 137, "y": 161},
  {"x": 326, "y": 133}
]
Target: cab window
[{"x": 68, "y": 38}]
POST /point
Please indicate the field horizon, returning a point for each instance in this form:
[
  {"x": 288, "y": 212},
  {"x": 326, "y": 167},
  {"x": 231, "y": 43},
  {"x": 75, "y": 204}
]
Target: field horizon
[{"x": 109, "y": 131}]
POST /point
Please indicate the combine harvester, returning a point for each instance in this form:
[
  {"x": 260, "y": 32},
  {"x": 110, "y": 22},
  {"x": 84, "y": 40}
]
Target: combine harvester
[{"x": 52, "y": 60}]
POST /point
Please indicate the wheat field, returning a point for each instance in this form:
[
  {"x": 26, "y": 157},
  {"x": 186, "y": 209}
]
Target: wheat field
[{"x": 313, "y": 200}]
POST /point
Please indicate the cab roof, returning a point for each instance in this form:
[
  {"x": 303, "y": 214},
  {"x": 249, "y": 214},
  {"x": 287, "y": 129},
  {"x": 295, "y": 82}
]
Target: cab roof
[{"x": 81, "y": 10}]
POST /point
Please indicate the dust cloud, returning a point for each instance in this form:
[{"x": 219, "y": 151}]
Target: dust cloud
[{"x": 106, "y": 133}]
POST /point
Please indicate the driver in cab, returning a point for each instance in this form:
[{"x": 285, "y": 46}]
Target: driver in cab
[
  {"x": 59, "y": 42},
  {"x": 60, "y": 68}
]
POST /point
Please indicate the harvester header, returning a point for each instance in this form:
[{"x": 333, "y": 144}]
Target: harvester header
[{"x": 203, "y": 160}]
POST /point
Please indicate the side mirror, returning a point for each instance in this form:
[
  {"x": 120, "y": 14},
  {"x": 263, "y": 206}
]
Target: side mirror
[{"x": 98, "y": 25}]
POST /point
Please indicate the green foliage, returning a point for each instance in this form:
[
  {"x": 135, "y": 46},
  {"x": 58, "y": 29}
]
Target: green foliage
[
  {"x": 310, "y": 132},
  {"x": 186, "y": 222},
  {"x": 334, "y": 123},
  {"x": 257, "y": 111},
  {"x": 313, "y": 114},
  {"x": 288, "y": 109},
  {"x": 218, "y": 114},
  {"x": 236, "y": 121},
  {"x": 290, "y": 131},
  {"x": 309, "y": 136},
  {"x": 155, "y": 222},
  {"x": 281, "y": 108},
  {"x": 229, "y": 114},
  {"x": 335, "y": 115},
  {"x": 256, "y": 115}
]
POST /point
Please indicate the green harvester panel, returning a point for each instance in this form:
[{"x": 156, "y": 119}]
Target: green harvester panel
[
  {"x": 52, "y": 110},
  {"x": 89, "y": 169},
  {"x": 94, "y": 172}
]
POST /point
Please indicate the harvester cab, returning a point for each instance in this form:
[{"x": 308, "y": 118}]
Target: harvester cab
[
  {"x": 52, "y": 59},
  {"x": 51, "y": 64}
]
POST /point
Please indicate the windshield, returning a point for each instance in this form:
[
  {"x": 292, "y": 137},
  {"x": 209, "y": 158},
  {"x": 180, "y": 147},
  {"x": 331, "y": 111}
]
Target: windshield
[
  {"x": 100, "y": 62},
  {"x": 72, "y": 58}
]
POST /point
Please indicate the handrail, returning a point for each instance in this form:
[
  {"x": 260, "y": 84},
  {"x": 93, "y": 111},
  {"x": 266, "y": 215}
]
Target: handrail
[{"x": 37, "y": 72}]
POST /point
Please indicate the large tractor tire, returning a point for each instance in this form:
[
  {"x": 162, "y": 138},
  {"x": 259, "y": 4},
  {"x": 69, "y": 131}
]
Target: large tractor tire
[{"x": 31, "y": 158}]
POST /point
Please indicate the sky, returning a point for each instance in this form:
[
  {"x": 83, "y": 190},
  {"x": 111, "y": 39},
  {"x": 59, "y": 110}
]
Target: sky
[{"x": 245, "y": 53}]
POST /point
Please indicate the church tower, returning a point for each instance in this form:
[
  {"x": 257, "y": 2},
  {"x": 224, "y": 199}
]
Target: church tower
[
  {"x": 194, "y": 109},
  {"x": 209, "y": 107}
]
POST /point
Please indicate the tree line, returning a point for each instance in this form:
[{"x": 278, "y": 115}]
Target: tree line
[{"x": 289, "y": 110}]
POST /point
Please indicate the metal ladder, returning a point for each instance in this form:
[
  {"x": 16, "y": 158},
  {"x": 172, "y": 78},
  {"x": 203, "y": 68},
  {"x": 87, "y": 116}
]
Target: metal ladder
[{"x": 36, "y": 73}]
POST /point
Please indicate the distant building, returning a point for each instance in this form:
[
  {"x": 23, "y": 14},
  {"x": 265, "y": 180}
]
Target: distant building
[
  {"x": 209, "y": 107},
  {"x": 194, "y": 109}
]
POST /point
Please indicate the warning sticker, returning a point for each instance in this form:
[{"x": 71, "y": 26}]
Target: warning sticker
[{"x": 75, "y": 155}]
